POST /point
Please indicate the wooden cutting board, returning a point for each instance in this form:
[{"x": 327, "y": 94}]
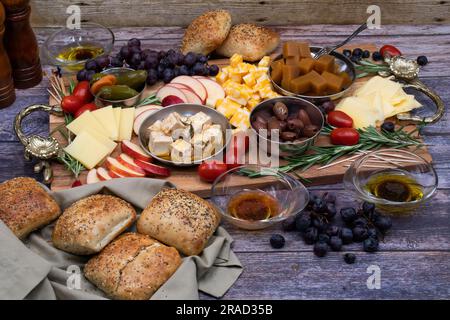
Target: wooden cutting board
[{"x": 187, "y": 178}]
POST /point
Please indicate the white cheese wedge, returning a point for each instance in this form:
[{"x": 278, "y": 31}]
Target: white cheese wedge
[
  {"x": 172, "y": 122},
  {"x": 107, "y": 142},
  {"x": 159, "y": 143},
  {"x": 362, "y": 111},
  {"x": 126, "y": 124},
  {"x": 156, "y": 126},
  {"x": 87, "y": 150},
  {"x": 181, "y": 151},
  {"x": 108, "y": 120},
  {"x": 199, "y": 120},
  {"x": 86, "y": 121}
]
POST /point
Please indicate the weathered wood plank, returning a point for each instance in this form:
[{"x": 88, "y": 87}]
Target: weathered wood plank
[
  {"x": 298, "y": 275},
  {"x": 180, "y": 13}
]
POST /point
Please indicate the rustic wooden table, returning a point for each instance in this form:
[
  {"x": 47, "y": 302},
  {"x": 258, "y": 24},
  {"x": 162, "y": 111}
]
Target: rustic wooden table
[{"x": 414, "y": 259}]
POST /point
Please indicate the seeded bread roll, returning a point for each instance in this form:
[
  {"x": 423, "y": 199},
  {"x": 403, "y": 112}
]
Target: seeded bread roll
[
  {"x": 251, "y": 41},
  {"x": 25, "y": 206},
  {"x": 206, "y": 32},
  {"x": 132, "y": 267},
  {"x": 180, "y": 219},
  {"x": 89, "y": 224}
]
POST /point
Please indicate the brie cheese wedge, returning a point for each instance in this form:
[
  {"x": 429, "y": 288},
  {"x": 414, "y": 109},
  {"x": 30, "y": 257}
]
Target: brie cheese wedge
[
  {"x": 159, "y": 143},
  {"x": 181, "y": 151}
]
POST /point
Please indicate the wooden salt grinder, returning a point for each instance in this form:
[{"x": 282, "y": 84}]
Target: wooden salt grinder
[
  {"x": 7, "y": 93},
  {"x": 21, "y": 44}
]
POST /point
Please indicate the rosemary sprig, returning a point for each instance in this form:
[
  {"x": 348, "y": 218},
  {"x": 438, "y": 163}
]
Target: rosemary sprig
[
  {"x": 366, "y": 67},
  {"x": 71, "y": 163},
  {"x": 149, "y": 100}
]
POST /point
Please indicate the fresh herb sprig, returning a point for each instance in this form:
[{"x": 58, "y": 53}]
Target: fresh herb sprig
[
  {"x": 149, "y": 100},
  {"x": 367, "y": 68}
]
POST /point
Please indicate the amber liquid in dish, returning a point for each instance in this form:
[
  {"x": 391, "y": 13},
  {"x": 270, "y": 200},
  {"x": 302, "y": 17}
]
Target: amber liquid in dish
[
  {"x": 253, "y": 205},
  {"x": 395, "y": 187},
  {"x": 79, "y": 53}
]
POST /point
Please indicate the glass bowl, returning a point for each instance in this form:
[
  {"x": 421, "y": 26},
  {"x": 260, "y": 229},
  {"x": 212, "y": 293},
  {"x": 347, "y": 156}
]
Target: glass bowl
[
  {"x": 90, "y": 34},
  {"x": 414, "y": 168},
  {"x": 291, "y": 195}
]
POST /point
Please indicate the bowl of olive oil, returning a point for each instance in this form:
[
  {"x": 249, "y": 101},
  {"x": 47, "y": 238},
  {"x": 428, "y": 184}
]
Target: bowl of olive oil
[
  {"x": 71, "y": 48},
  {"x": 397, "y": 181}
]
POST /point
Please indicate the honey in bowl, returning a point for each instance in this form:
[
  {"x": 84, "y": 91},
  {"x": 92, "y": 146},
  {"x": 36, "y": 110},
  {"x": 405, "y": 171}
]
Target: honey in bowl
[
  {"x": 253, "y": 205},
  {"x": 395, "y": 187}
]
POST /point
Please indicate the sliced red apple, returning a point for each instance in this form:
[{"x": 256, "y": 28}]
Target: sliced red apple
[
  {"x": 115, "y": 175},
  {"x": 171, "y": 100},
  {"x": 194, "y": 84},
  {"x": 128, "y": 162},
  {"x": 139, "y": 110},
  {"x": 134, "y": 151},
  {"x": 170, "y": 91},
  {"x": 192, "y": 96},
  {"x": 179, "y": 86},
  {"x": 140, "y": 118},
  {"x": 114, "y": 165},
  {"x": 153, "y": 168},
  {"x": 92, "y": 176},
  {"x": 215, "y": 91},
  {"x": 103, "y": 174}
]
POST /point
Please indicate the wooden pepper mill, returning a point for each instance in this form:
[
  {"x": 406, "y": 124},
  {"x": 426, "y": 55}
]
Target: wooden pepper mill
[
  {"x": 7, "y": 93},
  {"x": 21, "y": 44}
]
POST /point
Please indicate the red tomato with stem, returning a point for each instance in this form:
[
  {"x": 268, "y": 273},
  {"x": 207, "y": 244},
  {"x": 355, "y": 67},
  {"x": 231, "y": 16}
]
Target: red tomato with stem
[
  {"x": 211, "y": 170},
  {"x": 389, "y": 50},
  {"x": 71, "y": 104},
  {"x": 339, "y": 119},
  {"x": 87, "y": 107},
  {"x": 82, "y": 90},
  {"x": 344, "y": 136}
]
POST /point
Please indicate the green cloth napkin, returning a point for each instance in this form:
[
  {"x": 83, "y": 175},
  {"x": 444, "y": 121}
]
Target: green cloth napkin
[{"x": 34, "y": 269}]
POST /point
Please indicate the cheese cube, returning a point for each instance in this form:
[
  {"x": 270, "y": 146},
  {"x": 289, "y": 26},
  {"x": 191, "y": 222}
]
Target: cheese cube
[
  {"x": 251, "y": 104},
  {"x": 126, "y": 123},
  {"x": 264, "y": 62},
  {"x": 181, "y": 151},
  {"x": 87, "y": 150},
  {"x": 208, "y": 150},
  {"x": 107, "y": 119},
  {"x": 236, "y": 77},
  {"x": 242, "y": 68},
  {"x": 221, "y": 77},
  {"x": 241, "y": 101},
  {"x": 218, "y": 102},
  {"x": 241, "y": 119},
  {"x": 249, "y": 79},
  {"x": 84, "y": 121},
  {"x": 156, "y": 126},
  {"x": 197, "y": 145},
  {"x": 159, "y": 143},
  {"x": 182, "y": 133},
  {"x": 172, "y": 122},
  {"x": 265, "y": 92},
  {"x": 213, "y": 135},
  {"x": 235, "y": 60},
  {"x": 199, "y": 120},
  {"x": 228, "y": 107}
]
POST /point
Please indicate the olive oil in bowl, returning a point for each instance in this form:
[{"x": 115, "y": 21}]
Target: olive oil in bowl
[{"x": 72, "y": 54}]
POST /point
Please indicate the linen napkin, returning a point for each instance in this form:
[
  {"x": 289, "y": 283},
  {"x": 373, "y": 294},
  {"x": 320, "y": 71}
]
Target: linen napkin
[{"x": 34, "y": 269}]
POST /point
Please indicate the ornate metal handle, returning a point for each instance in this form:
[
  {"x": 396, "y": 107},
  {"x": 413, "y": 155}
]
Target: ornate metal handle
[{"x": 420, "y": 86}]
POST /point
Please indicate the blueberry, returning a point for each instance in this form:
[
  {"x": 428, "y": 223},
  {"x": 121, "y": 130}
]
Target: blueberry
[
  {"x": 327, "y": 107},
  {"x": 349, "y": 258},
  {"x": 346, "y": 235},
  {"x": 335, "y": 243},
  {"x": 331, "y": 210},
  {"x": 323, "y": 238},
  {"x": 360, "y": 222},
  {"x": 388, "y": 126},
  {"x": 355, "y": 59},
  {"x": 366, "y": 54},
  {"x": 213, "y": 70},
  {"x": 277, "y": 241},
  {"x": 320, "y": 249},
  {"x": 319, "y": 206},
  {"x": 348, "y": 214},
  {"x": 347, "y": 53},
  {"x": 319, "y": 224},
  {"x": 81, "y": 75},
  {"x": 134, "y": 42},
  {"x": 383, "y": 223},
  {"x": 91, "y": 65},
  {"x": 376, "y": 56},
  {"x": 303, "y": 222},
  {"x": 289, "y": 223},
  {"x": 368, "y": 207},
  {"x": 358, "y": 52},
  {"x": 422, "y": 60},
  {"x": 310, "y": 236},
  {"x": 372, "y": 233},
  {"x": 370, "y": 245},
  {"x": 333, "y": 231},
  {"x": 359, "y": 234}
]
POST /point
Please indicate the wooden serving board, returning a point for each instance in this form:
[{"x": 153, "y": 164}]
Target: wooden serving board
[{"x": 187, "y": 178}]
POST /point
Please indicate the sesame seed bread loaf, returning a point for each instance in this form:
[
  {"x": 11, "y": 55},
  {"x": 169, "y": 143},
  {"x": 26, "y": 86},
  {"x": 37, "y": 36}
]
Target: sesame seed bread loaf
[
  {"x": 206, "y": 32},
  {"x": 25, "y": 206},
  {"x": 180, "y": 219},
  {"x": 249, "y": 40},
  {"x": 132, "y": 267},
  {"x": 89, "y": 224}
]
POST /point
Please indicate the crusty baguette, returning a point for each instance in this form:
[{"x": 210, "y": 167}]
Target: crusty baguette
[
  {"x": 89, "y": 224},
  {"x": 25, "y": 206},
  {"x": 133, "y": 266},
  {"x": 249, "y": 40},
  {"x": 180, "y": 219},
  {"x": 206, "y": 32}
]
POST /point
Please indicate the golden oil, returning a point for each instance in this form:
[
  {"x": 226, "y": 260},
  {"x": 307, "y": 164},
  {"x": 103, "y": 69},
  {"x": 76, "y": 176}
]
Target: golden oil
[
  {"x": 395, "y": 187},
  {"x": 79, "y": 53}
]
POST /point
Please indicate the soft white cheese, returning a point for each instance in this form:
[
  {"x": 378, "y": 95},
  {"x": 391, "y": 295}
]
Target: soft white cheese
[
  {"x": 182, "y": 133},
  {"x": 159, "y": 143},
  {"x": 181, "y": 151},
  {"x": 172, "y": 122},
  {"x": 213, "y": 134},
  {"x": 199, "y": 120},
  {"x": 156, "y": 126}
]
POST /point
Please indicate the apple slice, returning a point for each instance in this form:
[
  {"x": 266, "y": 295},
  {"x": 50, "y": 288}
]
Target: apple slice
[
  {"x": 215, "y": 91},
  {"x": 170, "y": 91},
  {"x": 140, "y": 118},
  {"x": 103, "y": 175},
  {"x": 115, "y": 175},
  {"x": 134, "y": 151},
  {"x": 153, "y": 168},
  {"x": 114, "y": 165},
  {"x": 128, "y": 162},
  {"x": 191, "y": 96},
  {"x": 139, "y": 110},
  {"x": 171, "y": 100},
  {"x": 92, "y": 176},
  {"x": 194, "y": 84}
]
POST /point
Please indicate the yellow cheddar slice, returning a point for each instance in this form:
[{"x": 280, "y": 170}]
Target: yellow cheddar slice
[
  {"x": 107, "y": 142},
  {"x": 117, "y": 114},
  {"x": 86, "y": 121},
  {"x": 108, "y": 120},
  {"x": 87, "y": 150},
  {"x": 126, "y": 124}
]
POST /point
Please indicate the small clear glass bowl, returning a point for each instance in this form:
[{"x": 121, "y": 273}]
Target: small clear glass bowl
[
  {"x": 88, "y": 34},
  {"x": 291, "y": 195},
  {"x": 392, "y": 161}
]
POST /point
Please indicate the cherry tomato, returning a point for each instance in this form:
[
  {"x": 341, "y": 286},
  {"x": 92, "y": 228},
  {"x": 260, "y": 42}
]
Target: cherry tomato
[
  {"x": 344, "y": 136},
  {"x": 389, "y": 50},
  {"x": 82, "y": 90},
  {"x": 210, "y": 170},
  {"x": 235, "y": 155},
  {"x": 76, "y": 183},
  {"x": 71, "y": 104},
  {"x": 339, "y": 119},
  {"x": 87, "y": 107}
]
